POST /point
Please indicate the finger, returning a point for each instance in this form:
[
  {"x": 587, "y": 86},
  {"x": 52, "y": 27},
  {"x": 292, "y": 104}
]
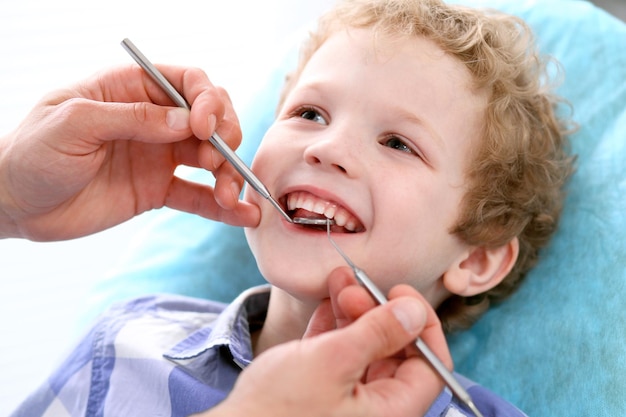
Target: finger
[
  {"x": 227, "y": 129},
  {"x": 186, "y": 152},
  {"x": 432, "y": 334},
  {"x": 354, "y": 301},
  {"x": 143, "y": 122},
  {"x": 228, "y": 185},
  {"x": 402, "y": 378},
  {"x": 123, "y": 84},
  {"x": 202, "y": 96},
  {"x": 327, "y": 316},
  {"x": 322, "y": 320},
  {"x": 211, "y": 107},
  {"x": 406, "y": 378},
  {"x": 228, "y": 182},
  {"x": 338, "y": 280},
  {"x": 209, "y": 157},
  {"x": 382, "y": 331},
  {"x": 411, "y": 375},
  {"x": 199, "y": 199},
  {"x": 385, "y": 368}
]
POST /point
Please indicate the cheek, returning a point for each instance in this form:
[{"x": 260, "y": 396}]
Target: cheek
[
  {"x": 262, "y": 159},
  {"x": 265, "y": 166},
  {"x": 412, "y": 232}
]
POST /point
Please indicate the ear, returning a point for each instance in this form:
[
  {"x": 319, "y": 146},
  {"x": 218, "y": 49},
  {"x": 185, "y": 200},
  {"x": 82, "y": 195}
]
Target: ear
[{"x": 481, "y": 269}]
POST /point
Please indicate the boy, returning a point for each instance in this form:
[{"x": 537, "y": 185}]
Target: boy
[{"x": 424, "y": 132}]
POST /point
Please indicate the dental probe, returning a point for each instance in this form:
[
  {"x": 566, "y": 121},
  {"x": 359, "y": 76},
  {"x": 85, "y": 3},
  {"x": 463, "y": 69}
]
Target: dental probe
[
  {"x": 434, "y": 361},
  {"x": 215, "y": 139}
]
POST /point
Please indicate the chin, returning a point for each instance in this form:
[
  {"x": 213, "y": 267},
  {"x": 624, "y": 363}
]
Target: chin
[{"x": 303, "y": 286}]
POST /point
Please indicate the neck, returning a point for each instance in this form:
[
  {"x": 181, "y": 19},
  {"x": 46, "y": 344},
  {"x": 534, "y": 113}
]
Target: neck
[{"x": 287, "y": 319}]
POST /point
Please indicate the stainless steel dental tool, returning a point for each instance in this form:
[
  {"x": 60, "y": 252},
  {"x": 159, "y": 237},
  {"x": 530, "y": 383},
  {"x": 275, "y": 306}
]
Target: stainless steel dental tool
[
  {"x": 454, "y": 385},
  {"x": 215, "y": 139}
]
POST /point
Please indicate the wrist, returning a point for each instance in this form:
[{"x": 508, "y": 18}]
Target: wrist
[{"x": 8, "y": 228}]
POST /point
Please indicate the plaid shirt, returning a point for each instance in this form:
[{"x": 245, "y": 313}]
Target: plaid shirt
[{"x": 174, "y": 356}]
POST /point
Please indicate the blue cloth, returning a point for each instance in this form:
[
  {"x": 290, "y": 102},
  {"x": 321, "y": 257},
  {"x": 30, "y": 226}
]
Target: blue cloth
[
  {"x": 175, "y": 356},
  {"x": 558, "y": 343}
]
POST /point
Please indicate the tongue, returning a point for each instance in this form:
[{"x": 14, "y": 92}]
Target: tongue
[{"x": 305, "y": 214}]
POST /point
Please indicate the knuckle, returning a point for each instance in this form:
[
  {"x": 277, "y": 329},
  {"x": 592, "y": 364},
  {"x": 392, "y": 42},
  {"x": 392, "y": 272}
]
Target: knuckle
[
  {"x": 384, "y": 330},
  {"x": 196, "y": 72},
  {"x": 222, "y": 93},
  {"x": 140, "y": 112},
  {"x": 195, "y": 76},
  {"x": 72, "y": 110}
]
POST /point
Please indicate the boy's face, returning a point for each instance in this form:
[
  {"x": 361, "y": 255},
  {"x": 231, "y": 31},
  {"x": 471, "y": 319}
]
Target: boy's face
[{"x": 380, "y": 135}]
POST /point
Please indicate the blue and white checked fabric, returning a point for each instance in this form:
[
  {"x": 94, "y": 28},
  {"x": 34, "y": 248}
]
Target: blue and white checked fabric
[{"x": 168, "y": 355}]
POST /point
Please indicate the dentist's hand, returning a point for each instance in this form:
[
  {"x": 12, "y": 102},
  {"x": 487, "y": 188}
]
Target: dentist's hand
[
  {"x": 368, "y": 367},
  {"x": 405, "y": 373},
  {"x": 94, "y": 155}
]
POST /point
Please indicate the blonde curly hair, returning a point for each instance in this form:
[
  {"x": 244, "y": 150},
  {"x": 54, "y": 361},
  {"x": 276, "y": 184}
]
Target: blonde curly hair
[{"x": 516, "y": 178}]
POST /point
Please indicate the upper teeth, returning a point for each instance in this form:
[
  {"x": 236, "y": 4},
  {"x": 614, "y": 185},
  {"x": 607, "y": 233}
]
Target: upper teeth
[{"x": 328, "y": 209}]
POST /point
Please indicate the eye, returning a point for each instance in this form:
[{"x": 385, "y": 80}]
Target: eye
[
  {"x": 397, "y": 143},
  {"x": 310, "y": 113}
]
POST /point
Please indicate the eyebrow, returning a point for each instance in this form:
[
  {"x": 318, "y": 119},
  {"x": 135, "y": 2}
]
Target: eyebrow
[
  {"x": 411, "y": 117},
  {"x": 316, "y": 87}
]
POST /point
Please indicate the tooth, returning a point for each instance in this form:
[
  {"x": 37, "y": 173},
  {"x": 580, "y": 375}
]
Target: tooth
[
  {"x": 300, "y": 201},
  {"x": 291, "y": 202},
  {"x": 319, "y": 207},
  {"x": 351, "y": 225},
  {"x": 330, "y": 211},
  {"x": 307, "y": 204},
  {"x": 340, "y": 218}
]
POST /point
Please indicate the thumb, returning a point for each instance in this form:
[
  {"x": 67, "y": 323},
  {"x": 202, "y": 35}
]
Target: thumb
[
  {"x": 141, "y": 121},
  {"x": 384, "y": 330}
]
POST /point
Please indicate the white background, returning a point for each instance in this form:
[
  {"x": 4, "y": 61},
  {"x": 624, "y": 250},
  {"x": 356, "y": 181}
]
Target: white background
[{"x": 47, "y": 45}]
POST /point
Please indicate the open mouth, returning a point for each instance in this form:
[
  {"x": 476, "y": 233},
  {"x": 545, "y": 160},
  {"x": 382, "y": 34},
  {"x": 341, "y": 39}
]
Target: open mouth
[{"x": 305, "y": 205}]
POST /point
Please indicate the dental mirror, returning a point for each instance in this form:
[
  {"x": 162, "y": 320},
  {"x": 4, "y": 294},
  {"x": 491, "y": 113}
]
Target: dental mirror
[{"x": 313, "y": 222}]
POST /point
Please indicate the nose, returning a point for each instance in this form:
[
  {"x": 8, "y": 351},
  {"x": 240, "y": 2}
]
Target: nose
[{"x": 335, "y": 152}]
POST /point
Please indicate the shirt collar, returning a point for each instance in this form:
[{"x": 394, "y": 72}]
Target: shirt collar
[{"x": 231, "y": 329}]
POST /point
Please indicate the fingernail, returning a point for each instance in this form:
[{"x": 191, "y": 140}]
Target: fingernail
[
  {"x": 177, "y": 119},
  {"x": 235, "y": 188},
  {"x": 212, "y": 121},
  {"x": 410, "y": 314},
  {"x": 216, "y": 158}
]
